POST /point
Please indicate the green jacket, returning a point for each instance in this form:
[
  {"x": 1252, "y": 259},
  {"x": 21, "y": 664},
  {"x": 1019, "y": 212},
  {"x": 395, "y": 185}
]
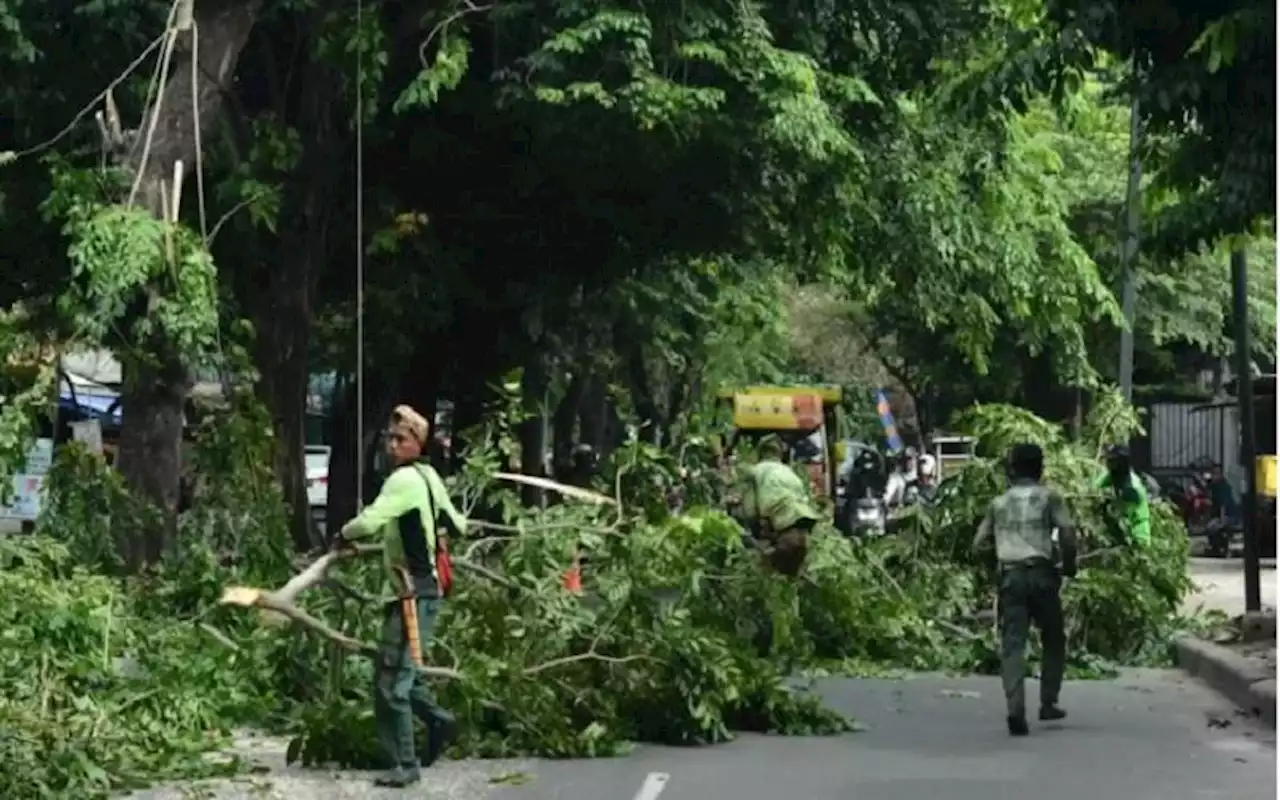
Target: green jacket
[
  {"x": 406, "y": 514},
  {"x": 1134, "y": 505},
  {"x": 773, "y": 492}
]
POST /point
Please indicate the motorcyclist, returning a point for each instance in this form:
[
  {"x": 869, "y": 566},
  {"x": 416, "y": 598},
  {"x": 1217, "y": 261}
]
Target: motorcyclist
[
  {"x": 900, "y": 479},
  {"x": 1129, "y": 520},
  {"x": 1222, "y": 495}
]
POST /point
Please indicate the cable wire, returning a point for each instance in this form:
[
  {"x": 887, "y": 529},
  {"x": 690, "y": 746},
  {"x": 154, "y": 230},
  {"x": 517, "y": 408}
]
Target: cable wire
[{"x": 360, "y": 255}]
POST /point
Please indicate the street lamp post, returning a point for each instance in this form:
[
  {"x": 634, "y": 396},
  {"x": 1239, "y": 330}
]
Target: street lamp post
[
  {"x": 1129, "y": 240},
  {"x": 1248, "y": 448}
]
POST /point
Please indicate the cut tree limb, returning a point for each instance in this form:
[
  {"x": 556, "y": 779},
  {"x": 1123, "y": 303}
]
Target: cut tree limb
[
  {"x": 575, "y": 492},
  {"x": 247, "y": 597},
  {"x": 287, "y": 595}
]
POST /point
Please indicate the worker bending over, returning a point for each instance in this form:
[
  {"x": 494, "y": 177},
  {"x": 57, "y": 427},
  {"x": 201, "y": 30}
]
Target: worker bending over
[{"x": 776, "y": 508}]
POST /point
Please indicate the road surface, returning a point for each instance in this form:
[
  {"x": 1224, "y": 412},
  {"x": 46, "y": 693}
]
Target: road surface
[
  {"x": 1220, "y": 584},
  {"x": 1152, "y": 735},
  {"x": 1146, "y": 737}
]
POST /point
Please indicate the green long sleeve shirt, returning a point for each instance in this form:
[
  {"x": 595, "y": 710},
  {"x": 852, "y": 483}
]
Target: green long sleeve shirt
[
  {"x": 1134, "y": 505},
  {"x": 405, "y": 516},
  {"x": 773, "y": 492}
]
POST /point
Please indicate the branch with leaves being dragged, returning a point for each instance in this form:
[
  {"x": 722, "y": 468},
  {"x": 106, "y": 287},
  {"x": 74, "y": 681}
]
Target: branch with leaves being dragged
[{"x": 281, "y": 606}]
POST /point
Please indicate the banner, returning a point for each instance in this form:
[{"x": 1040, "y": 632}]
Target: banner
[{"x": 887, "y": 422}]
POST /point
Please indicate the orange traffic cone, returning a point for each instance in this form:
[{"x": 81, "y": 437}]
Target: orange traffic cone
[{"x": 572, "y": 579}]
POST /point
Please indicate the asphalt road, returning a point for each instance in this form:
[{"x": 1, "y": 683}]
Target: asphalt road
[{"x": 1151, "y": 735}]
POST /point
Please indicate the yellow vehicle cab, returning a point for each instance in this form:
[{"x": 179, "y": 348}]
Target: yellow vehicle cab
[{"x": 806, "y": 418}]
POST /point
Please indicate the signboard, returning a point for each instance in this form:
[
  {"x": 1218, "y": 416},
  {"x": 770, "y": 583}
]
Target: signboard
[
  {"x": 28, "y": 485},
  {"x": 777, "y": 412},
  {"x": 89, "y": 433}
]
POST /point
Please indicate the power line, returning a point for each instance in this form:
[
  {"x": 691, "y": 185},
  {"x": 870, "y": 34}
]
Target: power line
[{"x": 359, "y": 255}]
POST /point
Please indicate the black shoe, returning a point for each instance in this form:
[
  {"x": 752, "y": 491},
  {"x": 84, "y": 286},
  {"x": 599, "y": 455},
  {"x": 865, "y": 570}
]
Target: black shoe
[
  {"x": 398, "y": 778},
  {"x": 1050, "y": 713},
  {"x": 440, "y": 733},
  {"x": 1017, "y": 726}
]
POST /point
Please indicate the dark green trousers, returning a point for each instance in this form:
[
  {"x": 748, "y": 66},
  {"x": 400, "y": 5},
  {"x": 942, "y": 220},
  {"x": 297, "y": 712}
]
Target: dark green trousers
[
  {"x": 1031, "y": 593},
  {"x": 400, "y": 692}
]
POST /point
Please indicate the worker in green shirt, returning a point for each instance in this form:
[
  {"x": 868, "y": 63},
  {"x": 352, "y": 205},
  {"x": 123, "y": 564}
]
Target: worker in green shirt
[
  {"x": 776, "y": 508},
  {"x": 1130, "y": 510},
  {"x": 405, "y": 518}
]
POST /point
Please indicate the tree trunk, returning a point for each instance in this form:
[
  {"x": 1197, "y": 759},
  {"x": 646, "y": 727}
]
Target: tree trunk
[
  {"x": 284, "y": 313},
  {"x": 343, "y": 477},
  {"x": 533, "y": 431},
  {"x": 151, "y": 435},
  {"x": 563, "y": 423},
  {"x": 592, "y": 425},
  {"x": 642, "y": 395},
  {"x": 150, "y": 455}
]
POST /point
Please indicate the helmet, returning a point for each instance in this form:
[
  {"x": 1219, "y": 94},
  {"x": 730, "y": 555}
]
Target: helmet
[
  {"x": 1118, "y": 458},
  {"x": 771, "y": 446}
]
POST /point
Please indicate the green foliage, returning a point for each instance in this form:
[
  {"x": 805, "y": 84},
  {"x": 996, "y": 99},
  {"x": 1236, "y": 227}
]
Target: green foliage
[
  {"x": 27, "y": 382},
  {"x": 1124, "y": 607},
  {"x": 681, "y": 635},
  {"x": 135, "y": 278},
  {"x": 115, "y": 684}
]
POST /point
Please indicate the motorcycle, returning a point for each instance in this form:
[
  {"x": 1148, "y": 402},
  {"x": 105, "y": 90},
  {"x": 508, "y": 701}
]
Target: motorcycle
[
  {"x": 859, "y": 497},
  {"x": 868, "y": 518}
]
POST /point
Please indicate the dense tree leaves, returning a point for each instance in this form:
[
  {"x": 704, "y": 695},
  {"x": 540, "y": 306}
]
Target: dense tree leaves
[{"x": 1204, "y": 81}]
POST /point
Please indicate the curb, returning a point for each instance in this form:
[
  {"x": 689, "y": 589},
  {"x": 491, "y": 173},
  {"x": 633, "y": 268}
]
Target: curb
[{"x": 1245, "y": 683}]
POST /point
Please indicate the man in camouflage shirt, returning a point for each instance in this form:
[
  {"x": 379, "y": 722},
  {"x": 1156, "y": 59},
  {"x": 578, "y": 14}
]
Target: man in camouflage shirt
[{"x": 1022, "y": 521}]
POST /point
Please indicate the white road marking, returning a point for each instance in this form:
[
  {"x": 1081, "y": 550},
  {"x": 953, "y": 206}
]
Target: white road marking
[{"x": 653, "y": 785}]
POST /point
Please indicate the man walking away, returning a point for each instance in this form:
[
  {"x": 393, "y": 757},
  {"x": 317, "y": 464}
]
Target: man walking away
[
  {"x": 1130, "y": 516},
  {"x": 405, "y": 517},
  {"x": 1022, "y": 522}
]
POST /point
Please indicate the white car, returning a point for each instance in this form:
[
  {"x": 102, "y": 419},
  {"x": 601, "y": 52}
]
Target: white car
[{"x": 317, "y": 461}]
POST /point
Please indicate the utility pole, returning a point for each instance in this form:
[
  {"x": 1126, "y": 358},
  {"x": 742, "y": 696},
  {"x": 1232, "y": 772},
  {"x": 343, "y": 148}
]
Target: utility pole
[
  {"x": 1129, "y": 247},
  {"x": 1248, "y": 448}
]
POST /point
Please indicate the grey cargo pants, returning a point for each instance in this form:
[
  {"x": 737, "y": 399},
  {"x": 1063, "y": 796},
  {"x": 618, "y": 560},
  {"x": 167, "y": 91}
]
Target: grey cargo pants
[{"x": 1031, "y": 592}]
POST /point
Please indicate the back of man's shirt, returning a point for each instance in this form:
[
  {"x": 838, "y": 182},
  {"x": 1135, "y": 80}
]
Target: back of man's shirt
[{"x": 1023, "y": 520}]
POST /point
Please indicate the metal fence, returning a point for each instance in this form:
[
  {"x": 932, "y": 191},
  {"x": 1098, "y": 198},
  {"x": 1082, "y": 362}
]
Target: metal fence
[{"x": 1181, "y": 433}]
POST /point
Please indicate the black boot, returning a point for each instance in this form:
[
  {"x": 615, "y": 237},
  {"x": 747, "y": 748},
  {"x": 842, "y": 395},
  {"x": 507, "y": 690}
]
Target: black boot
[
  {"x": 441, "y": 731},
  {"x": 1017, "y": 726},
  {"x": 1051, "y": 712}
]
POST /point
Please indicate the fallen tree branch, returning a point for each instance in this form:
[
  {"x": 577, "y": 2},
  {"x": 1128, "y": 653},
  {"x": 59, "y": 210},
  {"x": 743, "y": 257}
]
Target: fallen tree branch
[
  {"x": 577, "y": 493},
  {"x": 590, "y": 655},
  {"x": 247, "y": 597},
  {"x": 484, "y": 572},
  {"x": 287, "y": 595}
]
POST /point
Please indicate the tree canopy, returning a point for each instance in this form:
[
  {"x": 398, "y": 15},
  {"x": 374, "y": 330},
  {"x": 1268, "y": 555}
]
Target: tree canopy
[
  {"x": 561, "y": 226},
  {"x": 613, "y": 199}
]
